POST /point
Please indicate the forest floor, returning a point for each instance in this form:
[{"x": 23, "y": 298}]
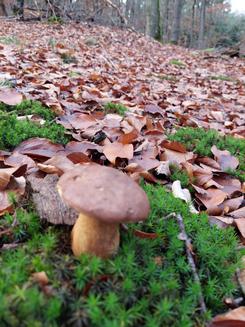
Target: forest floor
[{"x": 172, "y": 119}]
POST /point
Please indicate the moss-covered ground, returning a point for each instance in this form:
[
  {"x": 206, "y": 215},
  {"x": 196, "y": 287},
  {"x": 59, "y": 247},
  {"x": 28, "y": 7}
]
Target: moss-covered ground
[
  {"x": 200, "y": 141},
  {"x": 149, "y": 282},
  {"x": 13, "y": 130}
]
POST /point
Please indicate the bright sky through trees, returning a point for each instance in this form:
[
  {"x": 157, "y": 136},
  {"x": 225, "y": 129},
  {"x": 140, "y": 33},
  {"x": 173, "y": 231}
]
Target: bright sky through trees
[{"x": 238, "y": 6}]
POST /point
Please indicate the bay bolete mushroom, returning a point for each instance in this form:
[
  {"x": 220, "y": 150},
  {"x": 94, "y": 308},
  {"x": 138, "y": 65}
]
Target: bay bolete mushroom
[{"x": 104, "y": 197}]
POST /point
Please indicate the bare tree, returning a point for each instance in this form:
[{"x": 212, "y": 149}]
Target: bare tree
[
  {"x": 3, "y": 11},
  {"x": 202, "y": 25},
  {"x": 153, "y": 18},
  {"x": 178, "y": 4}
]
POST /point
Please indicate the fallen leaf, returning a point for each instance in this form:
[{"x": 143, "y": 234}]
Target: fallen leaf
[
  {"x": 5, "y": 205},
  {"x": 212, "y": 198},
  {"x": 10, "y": 97},
  {"x": 239, "y": 213},
  {"x": 233, "y": 318},
  {"x": 41, "y": 278},
  {"x": 118, "y": 150},
  {"x": 225, "y": 159},
  {"x": 240, "y": 223}
]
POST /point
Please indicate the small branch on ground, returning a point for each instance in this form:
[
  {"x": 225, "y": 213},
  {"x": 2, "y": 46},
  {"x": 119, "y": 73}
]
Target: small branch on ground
[
  {"x": 189, "y": 253},
  {"x": 10, "y": 246}
]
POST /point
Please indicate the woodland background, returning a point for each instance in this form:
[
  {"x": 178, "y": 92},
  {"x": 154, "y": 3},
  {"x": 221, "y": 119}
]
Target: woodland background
[{"x": 196, "y": 24}]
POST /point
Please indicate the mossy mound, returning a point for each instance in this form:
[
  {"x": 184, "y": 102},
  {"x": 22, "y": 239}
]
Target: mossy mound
[
  {"x": 149, "y": 282},
  {"x": 13, "y": 130}
]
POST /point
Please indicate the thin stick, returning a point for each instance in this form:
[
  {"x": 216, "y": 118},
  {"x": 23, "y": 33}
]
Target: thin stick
[
  {"x": 191, "y": 261},
  {"x": 10, "y": 246}
]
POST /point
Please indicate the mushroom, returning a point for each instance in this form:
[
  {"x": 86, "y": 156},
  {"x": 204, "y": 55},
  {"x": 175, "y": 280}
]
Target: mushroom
[{"x": 104, "y": 197}]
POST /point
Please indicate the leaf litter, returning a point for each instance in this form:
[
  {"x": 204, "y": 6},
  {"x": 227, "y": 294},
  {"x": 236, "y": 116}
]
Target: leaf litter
[{"x": 78, "y": 90}]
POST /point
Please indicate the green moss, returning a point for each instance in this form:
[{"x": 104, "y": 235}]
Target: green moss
[
  {"x": 9, "y": 39},
  {"x": 68, "y": 58},
  {"x": 177, "y": 62},
  {"x": 222, "y": 78},
  {"x": 14, "y": 131},
  {"x": 74, "y": 74},
  {"x": 55, "y": 20},
  {"x": 179, "y": 175},
  {"x": 115, "y": 108},
  {"x": 149, "y": 282},
  {"x": 200, "y": 141},
  {"x": 7, "y": 83}
]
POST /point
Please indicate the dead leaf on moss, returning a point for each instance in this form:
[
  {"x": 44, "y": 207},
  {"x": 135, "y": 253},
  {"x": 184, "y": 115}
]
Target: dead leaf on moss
[
  {"x": 5, "y": 205},
  {"x": 225, "y": 159},
  {"x": 212, "y": 198},
  {"x": 10, "y": 97},
  {"x": 118, "y": 150},
  {"x": 233, "y": 318}
]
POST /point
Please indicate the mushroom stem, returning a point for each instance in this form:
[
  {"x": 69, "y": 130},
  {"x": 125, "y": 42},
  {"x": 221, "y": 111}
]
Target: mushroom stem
[{"x": 91, "y": 236}]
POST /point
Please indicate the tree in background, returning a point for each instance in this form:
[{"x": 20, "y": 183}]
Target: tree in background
[
  {"x": 3, "y": 11},
  {"x": 178, "y": 5},
  {"x": 191, "y": 23}
]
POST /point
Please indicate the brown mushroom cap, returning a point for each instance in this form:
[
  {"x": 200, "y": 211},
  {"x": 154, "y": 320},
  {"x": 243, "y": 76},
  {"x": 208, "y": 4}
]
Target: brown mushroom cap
[{"x": 104, "y": 193}]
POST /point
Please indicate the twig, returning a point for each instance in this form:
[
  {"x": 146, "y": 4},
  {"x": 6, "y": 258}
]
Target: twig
[
  {"x": 170, "y": 215},
  {"x": 6, "y": 232},
  {"x": 10, "y": 246},
  {"x": 191, "y": 261}
]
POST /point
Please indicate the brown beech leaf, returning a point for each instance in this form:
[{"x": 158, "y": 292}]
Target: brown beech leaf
[
  {"x": 233, "y": 318},
  {"x": 218, "y": 115},
  {"x": 214, "y": 166},
  {"x": 40, "y": 148},
  {"x": 202, "y": 176},
  {"x": 145, "y": 235},
  {"x": 239, "y": 213},
  {"x": 231, "y": 204},
  {"x": 230, "y": 185},
  {"x": 17, "y": 159},
  {"x": 81, "y": 121},
  {"x": 240, "y": 223},
  {"x": 84, "y": 147},
  {"x": 154, "y": 109},
  {"x": 146, "y": 163},
  {"x": 59, "y": 162},
  {"x": 17, "y": 185},
  {"x": 175, "y": 146},
  {"x": 10, "y": 97},
  {"x": 225, "y": 159},
  {"x": 41, "y": 278},
  {"x": 129, "y": 137},
  {"x": 5, "y": 205},
  {"x": 118, "y": 150},
  {"x": 213, "y": 197},
  {"x": 7, "y": 173},
  {"x": 163, "y": 168},
  {"x": 78, "y": 157},
  {"x": 176, "y": 157}
]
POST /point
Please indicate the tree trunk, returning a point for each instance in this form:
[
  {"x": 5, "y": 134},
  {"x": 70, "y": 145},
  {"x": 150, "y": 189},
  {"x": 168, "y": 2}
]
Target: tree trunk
[
  {"x": 202, "y": 25},
  {"x": 178, "y": 4},
  {"x": 153, "y": 28},
  {"x": 166, "y": 21},
  {"x": 3, "y": 11},
  {"x": 192, "y": 24},
  {"x": 21, "y": 4}
]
